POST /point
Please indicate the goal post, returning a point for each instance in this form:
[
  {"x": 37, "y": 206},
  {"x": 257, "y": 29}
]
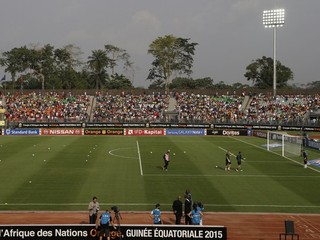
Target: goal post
[{"x": 284, "y": 143}]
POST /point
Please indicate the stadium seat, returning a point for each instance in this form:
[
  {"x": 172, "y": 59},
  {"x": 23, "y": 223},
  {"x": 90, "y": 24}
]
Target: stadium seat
[{"x": 289, "y": 230}]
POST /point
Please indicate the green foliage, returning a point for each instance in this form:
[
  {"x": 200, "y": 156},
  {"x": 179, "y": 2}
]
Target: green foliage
[
  {"x": 221, "y": 85},
  {"x": 47, "y": 65},
  {"x": 118, "y": 82},
  {"x": 182, "y": 83},
  {"x": 157, "y": 84},
  {"x": 15, "y": 61},
  {"x": 313, "y": 85},
  {"x": 58, "y": 68},
  {"x": 118, "y": 55},
  {"x": 260, "y": 72},
  {"x": 98, "y": 63},
  {"x": 189, "y": 83},
  {"x": 240, "y": 86},
  {"x": 171, "y": 55}
]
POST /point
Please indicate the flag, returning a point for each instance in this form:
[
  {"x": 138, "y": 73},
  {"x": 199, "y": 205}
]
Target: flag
[{"x": 3, "y": 78}]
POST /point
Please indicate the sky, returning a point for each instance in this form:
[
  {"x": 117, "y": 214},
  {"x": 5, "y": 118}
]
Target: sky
[{"x": 229, "y": 33}]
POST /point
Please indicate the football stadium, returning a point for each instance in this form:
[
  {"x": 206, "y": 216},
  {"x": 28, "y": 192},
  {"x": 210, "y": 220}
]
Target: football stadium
[
  {"x": 58, "y": 166},
  {"x": 159, "y": 120}
]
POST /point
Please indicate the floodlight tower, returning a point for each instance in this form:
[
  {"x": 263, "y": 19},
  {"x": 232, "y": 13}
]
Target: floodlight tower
[{"x": 274, "y": 19}]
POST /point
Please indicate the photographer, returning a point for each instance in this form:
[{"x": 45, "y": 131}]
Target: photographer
[{"x": 117, "y": 215}]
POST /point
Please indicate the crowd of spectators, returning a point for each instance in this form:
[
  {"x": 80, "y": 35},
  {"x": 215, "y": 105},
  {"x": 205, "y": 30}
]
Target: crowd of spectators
[
  {"x": 209, "y": 109},
  {"x": 130, "y": 108},
  {"x": 259, "y": 109},
  {"x": 127, "y": 107},
  {"x": 48, "y": 107},
  {"x": 282, "y": 109}
]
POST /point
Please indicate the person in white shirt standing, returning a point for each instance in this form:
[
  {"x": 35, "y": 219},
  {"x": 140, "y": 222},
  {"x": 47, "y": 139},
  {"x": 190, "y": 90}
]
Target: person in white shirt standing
[{"x": 93, "y": 208}]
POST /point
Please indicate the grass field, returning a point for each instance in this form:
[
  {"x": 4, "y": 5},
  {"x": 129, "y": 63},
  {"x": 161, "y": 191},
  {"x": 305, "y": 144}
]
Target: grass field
[{"x": 64, "y": 173}]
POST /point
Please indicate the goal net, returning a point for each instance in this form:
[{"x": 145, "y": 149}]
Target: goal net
[{"x": 284, "y": 143}]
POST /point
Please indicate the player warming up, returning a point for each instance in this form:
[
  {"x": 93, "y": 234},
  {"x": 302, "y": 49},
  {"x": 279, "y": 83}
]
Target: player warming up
[
  {"x": 239, "y": 161},
  {"x": 166, "y": 159},
  {"x": 228, "y": 161},
  {"x": 305, "y": 158}
]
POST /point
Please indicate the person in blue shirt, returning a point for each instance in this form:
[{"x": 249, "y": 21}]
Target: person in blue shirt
[
  {"x": 195, "y": 215},
  {"x": 156, "y": 214},
  {"x": 200, "y": 208},
  {"x": 104, "y": 223}
]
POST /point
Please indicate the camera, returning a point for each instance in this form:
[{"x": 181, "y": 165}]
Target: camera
[{"x": 115, "y": 209}]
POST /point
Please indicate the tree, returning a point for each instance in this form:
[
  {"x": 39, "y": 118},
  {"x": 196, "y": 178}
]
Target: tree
[
  {"x": 119, "y": 82},
  {"x": 183, "y": 83},
  {"x": 189, "y": 83},
  {"x": 221, "y": 85},
  {"x": 49, "y": 66},
  {"x": 117, "y": 55},
  {"x": 157, "y": 84},
  {"x": 239, "y": 85},
  {"x": 260, "y": 72},
  {"x": 313, "y": 85},
  {"x": 14, "y": 62},
  {"x": 204, "y": 83},
  {"x": 172, "y": 55},
  {"x": 41, "y": 62},
  {"x": 98, "y": 63},
  {"x": 66, "y": 64}
]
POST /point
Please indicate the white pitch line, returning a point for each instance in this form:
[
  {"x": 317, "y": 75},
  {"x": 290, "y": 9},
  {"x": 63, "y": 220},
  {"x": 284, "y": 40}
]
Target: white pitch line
[
  {"x": 163, "y": 204},
  {"x": 262, "y": 205},
  {"x": 228, "y": 175},
  {"x": 226, "y": 151},
  {"x": 120, "y": 156},
  {"x": 139, "y": 155},
  {"x": 274, "y": 153}
]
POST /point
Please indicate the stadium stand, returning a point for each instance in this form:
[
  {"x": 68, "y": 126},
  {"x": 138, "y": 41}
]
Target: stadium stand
[
  {"x": 130, "y": 108},
  {"x": 50, "y": 107},
  {"x": 156, "y": 107}
]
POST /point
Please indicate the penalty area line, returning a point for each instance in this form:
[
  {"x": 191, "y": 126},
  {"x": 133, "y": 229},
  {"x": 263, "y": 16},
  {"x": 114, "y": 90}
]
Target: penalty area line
[{"x": 311, "y": 168}]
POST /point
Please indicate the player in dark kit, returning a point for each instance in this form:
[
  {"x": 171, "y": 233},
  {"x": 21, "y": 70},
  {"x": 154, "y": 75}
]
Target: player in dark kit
[
  {"x": 305, "y": 158},
  {"x": 228, "y": 161},
  {"x": 239, "y": 161},
  {"x": 166, "y": 159}
]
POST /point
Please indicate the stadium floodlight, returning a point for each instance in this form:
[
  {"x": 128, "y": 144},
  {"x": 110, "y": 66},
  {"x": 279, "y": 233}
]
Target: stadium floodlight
[{"x": 274, "y": 19}]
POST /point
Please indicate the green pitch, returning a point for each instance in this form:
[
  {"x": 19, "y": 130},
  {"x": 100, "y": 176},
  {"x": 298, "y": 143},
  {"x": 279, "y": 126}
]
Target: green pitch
[{"x": 64, "y": 173}]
